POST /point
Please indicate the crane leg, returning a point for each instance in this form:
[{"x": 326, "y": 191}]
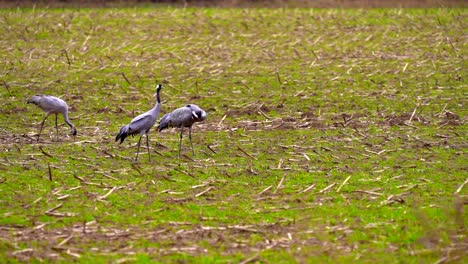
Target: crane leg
[
  {"x": 56, "y": 126},
  {"x": 42, "y": 125},
  {"x": 147, "y": 145},
  {"x": 138, "y": 149},
  {"x": 190, "y": 137},
  {"x": 180, "y": 140}
]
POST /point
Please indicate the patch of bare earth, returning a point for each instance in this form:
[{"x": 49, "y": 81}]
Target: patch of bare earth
[
  {"x": 46, "y": 244},
  {"x": 247, "y": 118},
  {"x": 242, "y": 3}
]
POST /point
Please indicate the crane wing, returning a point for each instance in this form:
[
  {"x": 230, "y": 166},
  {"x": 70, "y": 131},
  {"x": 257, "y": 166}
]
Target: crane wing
[{"x": 141, "y": 123}]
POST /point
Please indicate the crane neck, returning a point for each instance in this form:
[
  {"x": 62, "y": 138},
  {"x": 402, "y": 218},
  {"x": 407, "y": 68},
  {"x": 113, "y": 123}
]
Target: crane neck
[
  {"x": 158, "y": 98},
  {"x": 157, "y": 106},
  {"x": 65, "y": 116}
]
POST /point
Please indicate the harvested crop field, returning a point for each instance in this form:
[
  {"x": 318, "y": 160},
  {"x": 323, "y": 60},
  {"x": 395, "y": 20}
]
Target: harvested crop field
[{"x": 333, "y": 135}]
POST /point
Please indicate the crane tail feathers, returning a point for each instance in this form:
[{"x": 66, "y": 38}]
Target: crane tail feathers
[
  {"x": 164, "y": 123},
  {"x": 123, "y": 133}
]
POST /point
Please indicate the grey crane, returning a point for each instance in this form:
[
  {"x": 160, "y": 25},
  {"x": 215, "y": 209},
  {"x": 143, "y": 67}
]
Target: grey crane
[
  {"x": 52, "y": 105},
  {"x": 142, "y": 124},
  {"x": 183, "y": 117}
]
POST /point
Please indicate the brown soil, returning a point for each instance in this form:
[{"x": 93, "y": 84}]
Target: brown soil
[
  {"x": 178, "y": 237},
  {"x": 241, "y": 3}
]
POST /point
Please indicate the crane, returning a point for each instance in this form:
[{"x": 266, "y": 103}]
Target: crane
[
  {"x": 142, "y": 124},
  {"x": 52, "y": 105},
  {"x": 182, "y": 117}
]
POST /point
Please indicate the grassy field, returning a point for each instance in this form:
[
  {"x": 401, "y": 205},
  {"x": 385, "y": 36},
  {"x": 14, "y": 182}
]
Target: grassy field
[{"x": 332, "y": 136}]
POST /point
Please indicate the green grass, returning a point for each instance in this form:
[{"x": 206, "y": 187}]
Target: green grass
[{"x": 298, "y": 96}]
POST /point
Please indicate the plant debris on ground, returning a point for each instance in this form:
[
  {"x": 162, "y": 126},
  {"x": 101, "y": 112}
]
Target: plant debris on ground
[{"x": 333, "y": 135}]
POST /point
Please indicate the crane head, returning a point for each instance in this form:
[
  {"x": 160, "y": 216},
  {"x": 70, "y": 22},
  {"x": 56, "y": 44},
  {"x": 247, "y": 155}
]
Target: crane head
[
  {"x": 199, "y": 115},
  {"x": 35, "y": 99},
  {"x": 158, "y": 88}
]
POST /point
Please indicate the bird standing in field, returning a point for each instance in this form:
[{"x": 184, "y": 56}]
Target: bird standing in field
[
  {"x": 52, "y": 105},
  {"x": 142, "y": 124},
  {"x": 183, "y": 117}
]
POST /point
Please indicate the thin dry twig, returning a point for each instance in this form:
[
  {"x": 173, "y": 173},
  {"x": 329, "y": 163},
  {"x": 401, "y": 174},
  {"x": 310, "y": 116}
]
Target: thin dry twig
[
  {"x": 443, "y": 110},
  {"x": 393, "y": 199},
  {"x": 408, "y": 124},
  {"x": 279, "y": 185},
  {"x": 187, "y": 157},
  {"x": 245, "y": 152},
  {"x": 68, "y": 58},
  {"x": 200, "y": 185},
  {"x": 264, "y": 190},
  {"x": 412, "y": 115},
  {"x": 345, "y": 181},
  {"x": 461, "y": 186},
  {"x": 78, "y": 178},
  {"x": 126, "y": 260},
  {"x": 375, "y": 153},
  {"x": 212, "y": 150},
  {"x": 135, "y": 167},
  {"x": 34, "y": 202},
  {"x": 107, "y": 176},
  {"x": 278, "y": 77},
  {"x": 404, "y": 68},
  {"x": 50, "y": 172},
  {"x": 222, "y": 119},
  {"x": 126, "y": 79},
  {"x": 54, "y": 208},
  {"x": 184, "y": 172},
  {"x": 205, "y": 191},
  {"x": 74, "y": 188},
  {"x": 109, "y": 192},
  {"x": 73, "y": 254},
  {"x": 7, "y": 87},
  {"x": 280, "y": 163},
  {"x": 327, "y": 188},
  {"x": 396, "y": 177},
  {"x": 308, "y": 188},
  {"x": 316, "y": 152},
  {"x": 63, "y": 242},
  {"x": 263, "y": 114},
  {"x": 83, "y": 181},
  {"x": 410, "y": 187},
  {"x": 297, "y": 53},
  {"x": 251, "y": 259},
  {"x": 51, "y": 212},
  {"x": 26, "y": 250},
  {"x": 108, "y": 153},
  {"x": 45, "y": 153},
  {"x": 39, "y": 226},
  {"x": 315, "y": 55},
  {"x": 368, "y": 192},
  {"x": 63, "y": 197}
]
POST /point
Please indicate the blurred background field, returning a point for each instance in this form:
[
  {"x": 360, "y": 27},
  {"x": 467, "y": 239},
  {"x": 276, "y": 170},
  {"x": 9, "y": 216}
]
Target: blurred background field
[
  {"x": 243, "y": 3},
  {"x": 333, "y": 135}
]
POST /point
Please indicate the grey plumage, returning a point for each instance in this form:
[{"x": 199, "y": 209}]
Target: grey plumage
[
  {"x": 52, "y": 105},
  {"x": 183, "y": 117},
  {"x": 142, "y": 124}
]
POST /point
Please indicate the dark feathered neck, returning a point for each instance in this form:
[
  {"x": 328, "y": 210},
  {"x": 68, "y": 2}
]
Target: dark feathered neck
[{"x": 158, "y": 98}]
